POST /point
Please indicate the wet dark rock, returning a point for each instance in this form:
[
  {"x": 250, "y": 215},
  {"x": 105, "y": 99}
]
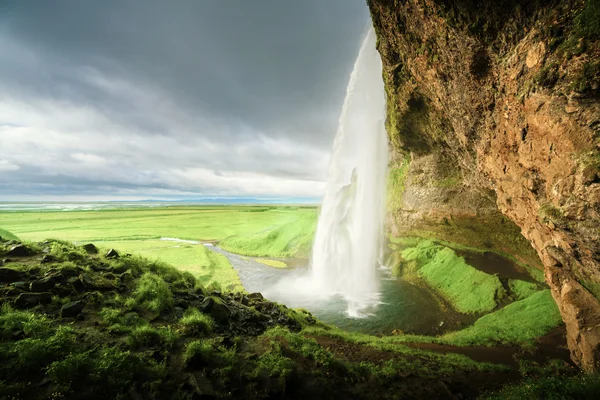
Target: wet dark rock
[
  {"x": 19, "y": 250},
  {"x": 87, "y": 281},
  {"x": 90, "y": 248},
  {"x": 99, "y": 267},
  {"x": 32, "y": 299},
  {"x": 72, "y": 309},
  {"x": 70, "y": 273},
  {"x": 63, "y": 290},
  {"x": 200, "y": 387},
  {"x": 182, "y": 304},
  {"x": 9, "y": 275},
  {"x": 42, "y": 285},
  {"x": 48, "y": 258},
  {"x": 220, "y": 312},
  {"x": 46, "y": 284},
  {"x": 21, "y": 285},
  {"x": 255, "y": 296},
  {"x": 206, "y": 304},
  {"x": 76, "y": 283},
  {"x": 112, "y": 253}
]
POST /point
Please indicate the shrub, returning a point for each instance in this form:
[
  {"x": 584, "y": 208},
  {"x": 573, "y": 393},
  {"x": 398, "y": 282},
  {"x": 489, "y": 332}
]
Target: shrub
[
  {"x": 153, "y": 293},
  {"x": 147, "y": 336},
  {"x": 198, "y": 351},
  {"x": 195, "y": 322}
]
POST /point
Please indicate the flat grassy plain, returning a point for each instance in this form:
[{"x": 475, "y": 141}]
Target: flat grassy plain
[{"x": 260, "y": 231}]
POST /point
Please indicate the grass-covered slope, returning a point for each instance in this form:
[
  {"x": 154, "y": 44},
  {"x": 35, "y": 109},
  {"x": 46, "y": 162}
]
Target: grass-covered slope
[
  {"x": 76, "y": 324},
  {"x": 291, "y": 239},
  {"x": 6, "y": 235},
  {"x": 469, "y": 290},
  {"x": 206, "y": 265}
]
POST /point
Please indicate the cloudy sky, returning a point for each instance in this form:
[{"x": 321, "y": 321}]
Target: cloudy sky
[{"x": 135, "y": 99}]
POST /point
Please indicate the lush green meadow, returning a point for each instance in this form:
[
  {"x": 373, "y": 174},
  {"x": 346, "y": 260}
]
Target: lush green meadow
[{"x": 260, "y": 231}]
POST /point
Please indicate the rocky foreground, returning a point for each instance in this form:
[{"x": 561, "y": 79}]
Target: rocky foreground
[{"x": 78, "y": 323}]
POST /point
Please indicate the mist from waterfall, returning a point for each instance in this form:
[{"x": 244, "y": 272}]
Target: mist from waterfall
[
  {"x": 349, "y": 237},
  {"x": 349, "y": 234}
]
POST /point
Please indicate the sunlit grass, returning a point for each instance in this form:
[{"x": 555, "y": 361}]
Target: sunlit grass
[
  {"x": 466, "y": 288},
  {"x": 271, "y": 263},
  {"x": 6, "y": 235}
]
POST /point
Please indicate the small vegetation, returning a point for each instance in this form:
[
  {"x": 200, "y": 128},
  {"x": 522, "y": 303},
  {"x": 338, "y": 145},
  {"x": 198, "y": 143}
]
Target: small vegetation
[
  {"x": 517, "y": 323},
  {"x": 140, "y": 333},
  {"x": 6, "y": 235},
  {"x": 467, "y": 289},
  {"x": 290, "y": 239},
  {"x": 581, "y": 387},
  {"x": 396, "y": 184},
  {"x": 152, "y": 293},
  {"x": 271, "y": 263},
  {"x": 521, "y": 289},
  {"x": 195, "y": 322}
]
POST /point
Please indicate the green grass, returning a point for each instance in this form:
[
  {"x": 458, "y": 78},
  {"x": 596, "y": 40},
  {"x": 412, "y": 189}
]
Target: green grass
[
  {"x": 152, "y": 293},
  {"x": 195, "y": 322},
  {"x": 203, "y": 223},
  {"x": 259, "y": 231},
  {"x": 517, "y": 323},
  {"x": 581, "y": 387},
  {"x": 291, "y": 239},
  {"x": 148, "y": 336},
  {"x": 521, "y": 289},
  {"x": 271, "y": 263},
  {"x": 207, "y": 266},
  {"x": 6, "y": 235},
  {"x": 466, "y": 288},
  {"x": 396, "y": 184}
]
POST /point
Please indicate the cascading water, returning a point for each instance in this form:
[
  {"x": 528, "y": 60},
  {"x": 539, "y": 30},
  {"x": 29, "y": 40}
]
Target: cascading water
[{"x": 349, "y": 233}]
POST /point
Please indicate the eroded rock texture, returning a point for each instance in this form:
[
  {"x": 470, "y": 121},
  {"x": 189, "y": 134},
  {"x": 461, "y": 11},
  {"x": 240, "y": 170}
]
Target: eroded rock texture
[{"x": 494, "y": 119}]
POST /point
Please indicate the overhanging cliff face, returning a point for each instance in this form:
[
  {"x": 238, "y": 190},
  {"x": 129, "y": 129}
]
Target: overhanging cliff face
[{"x": 494, "y": 120}]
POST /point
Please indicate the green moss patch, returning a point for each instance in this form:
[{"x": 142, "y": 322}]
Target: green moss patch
[
  {"x": 521, "y": 289},
  {"x": 517, "y": 323},
  {"x": 467, "y": 289}
]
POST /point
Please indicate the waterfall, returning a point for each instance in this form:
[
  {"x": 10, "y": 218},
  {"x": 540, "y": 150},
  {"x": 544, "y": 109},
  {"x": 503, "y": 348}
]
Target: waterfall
[{"x": 348, "y": 241}]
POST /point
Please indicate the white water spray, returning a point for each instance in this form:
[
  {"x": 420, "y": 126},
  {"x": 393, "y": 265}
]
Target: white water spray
[{"x": 350, "y": 229}]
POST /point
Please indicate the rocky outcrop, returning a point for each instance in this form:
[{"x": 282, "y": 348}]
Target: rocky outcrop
[{"x": 494, "y": 120}]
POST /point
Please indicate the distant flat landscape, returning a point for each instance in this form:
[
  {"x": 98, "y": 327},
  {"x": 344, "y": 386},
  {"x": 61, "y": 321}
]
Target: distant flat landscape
[{"x": 138, "y": 228}]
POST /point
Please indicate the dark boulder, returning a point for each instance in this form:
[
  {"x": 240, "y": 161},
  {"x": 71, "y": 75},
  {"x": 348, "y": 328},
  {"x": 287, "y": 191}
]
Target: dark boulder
[
  {"x": 112, "y": 253},
  {"x": 216, "y": 308},
  {"x": 9, "y": 275},
  {"x": 46, "y": 284},
  {"x": 76, "y": 283},
  {"x": 19, "y": 250},
  {"x": 87, "y": 281},
  {"x": 48, "y": 258},
  {"x": 72, "y": 309},
  {"x": 255, "y": 296},
  {"x": 21, "y": 285},
  {"x": 32, "y": 299},
  {"x": 90, "y": 248}
]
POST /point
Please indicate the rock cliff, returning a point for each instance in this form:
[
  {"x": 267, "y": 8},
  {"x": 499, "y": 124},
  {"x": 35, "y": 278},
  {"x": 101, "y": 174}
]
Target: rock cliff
[{"x": 494, "y": 120}]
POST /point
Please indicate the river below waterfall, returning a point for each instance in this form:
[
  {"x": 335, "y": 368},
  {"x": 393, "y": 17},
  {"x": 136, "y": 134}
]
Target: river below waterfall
[{"x": 402, "y": 306}]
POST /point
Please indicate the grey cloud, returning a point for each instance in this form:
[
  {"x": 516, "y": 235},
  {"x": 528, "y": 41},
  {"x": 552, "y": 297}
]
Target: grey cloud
[{"x": 165, "y": 91}]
